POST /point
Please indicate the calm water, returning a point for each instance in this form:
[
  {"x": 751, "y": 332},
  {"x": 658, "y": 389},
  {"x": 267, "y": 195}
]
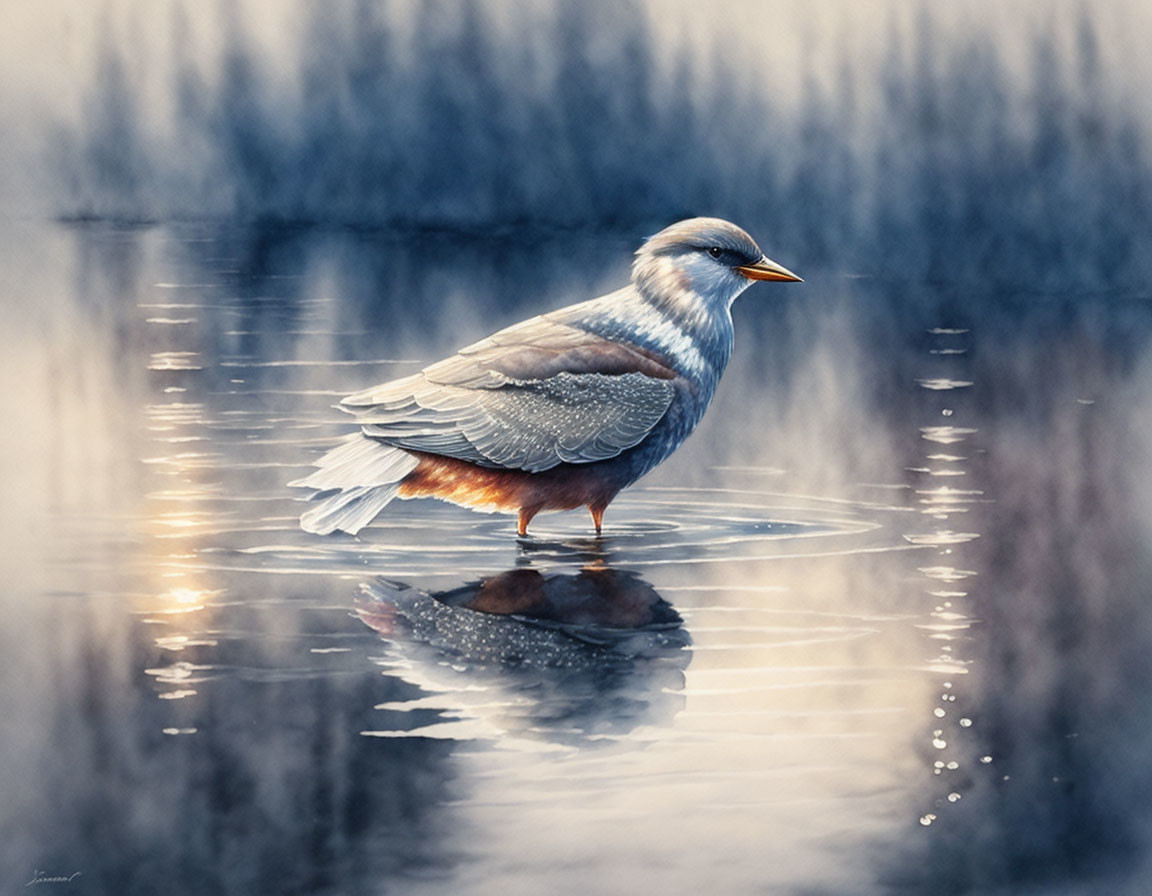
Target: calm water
[{"x": 882, "y": 626}]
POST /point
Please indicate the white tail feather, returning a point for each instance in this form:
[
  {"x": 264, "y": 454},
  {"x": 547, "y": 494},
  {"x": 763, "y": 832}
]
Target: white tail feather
[
  {"x": 367, "y": 475},
  {"x": 348, "y": 511}
]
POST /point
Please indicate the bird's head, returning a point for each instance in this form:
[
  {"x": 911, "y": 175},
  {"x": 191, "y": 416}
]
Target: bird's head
[{"x": 708, "y": 258}]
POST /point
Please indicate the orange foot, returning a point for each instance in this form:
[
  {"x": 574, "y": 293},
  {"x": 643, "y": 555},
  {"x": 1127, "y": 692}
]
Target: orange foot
[{"x": 597, "y": 517}]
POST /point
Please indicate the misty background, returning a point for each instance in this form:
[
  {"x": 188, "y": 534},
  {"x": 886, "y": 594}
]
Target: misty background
[
  {"x": 216, "y": 219},
  {"x": 904, "y": 139}
]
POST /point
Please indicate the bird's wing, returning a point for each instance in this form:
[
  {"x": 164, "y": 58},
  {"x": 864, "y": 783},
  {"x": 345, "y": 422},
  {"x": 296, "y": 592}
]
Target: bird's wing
[{"x": 528, "y": 398}]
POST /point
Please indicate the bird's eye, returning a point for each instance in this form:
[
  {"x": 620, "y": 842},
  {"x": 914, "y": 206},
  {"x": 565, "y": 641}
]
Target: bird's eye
[{"x": 715, "y": 251}]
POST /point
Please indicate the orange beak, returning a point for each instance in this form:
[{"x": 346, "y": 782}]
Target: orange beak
[{"x": 767, "y": 269}]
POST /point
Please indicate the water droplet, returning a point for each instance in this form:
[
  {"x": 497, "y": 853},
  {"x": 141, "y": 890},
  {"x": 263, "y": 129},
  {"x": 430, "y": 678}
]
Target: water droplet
[
  {"x": 927, "y": 819},
  {"x": 965, "y": 723},
  {"x": 985, "y": 759},
  {"x": 953, "y": 797},
  {"x": 939, "y": 743},
  {"x": 939, "y": 713},
  {"x": 947, "y": 412},
  {"x": 953, "y": 765}
]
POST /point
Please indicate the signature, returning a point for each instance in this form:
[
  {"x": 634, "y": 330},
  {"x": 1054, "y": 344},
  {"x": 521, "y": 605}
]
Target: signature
[{"x": 43, "y": 877}]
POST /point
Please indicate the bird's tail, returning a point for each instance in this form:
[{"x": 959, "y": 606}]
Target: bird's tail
[{"x": 354, "y": 481}]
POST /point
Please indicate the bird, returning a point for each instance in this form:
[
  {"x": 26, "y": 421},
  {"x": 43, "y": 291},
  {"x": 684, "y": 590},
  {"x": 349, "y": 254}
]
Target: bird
[{"x": 557, "y": 412}]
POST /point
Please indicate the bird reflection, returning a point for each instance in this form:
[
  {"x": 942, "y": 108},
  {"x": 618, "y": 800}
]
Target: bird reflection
[{"x": 560, "y": 655}]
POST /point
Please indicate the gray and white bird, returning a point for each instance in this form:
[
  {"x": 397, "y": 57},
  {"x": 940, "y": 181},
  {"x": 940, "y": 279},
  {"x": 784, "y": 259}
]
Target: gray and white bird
[{"x": 560, "y": 411}]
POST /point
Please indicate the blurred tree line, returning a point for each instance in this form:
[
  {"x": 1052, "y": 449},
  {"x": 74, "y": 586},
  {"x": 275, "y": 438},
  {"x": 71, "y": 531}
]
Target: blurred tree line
[{"x": 451, "y": 122}]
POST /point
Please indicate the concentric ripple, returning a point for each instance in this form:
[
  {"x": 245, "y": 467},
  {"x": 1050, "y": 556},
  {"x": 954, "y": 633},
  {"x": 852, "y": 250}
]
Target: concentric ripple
[{"x": 647, "y": 527}]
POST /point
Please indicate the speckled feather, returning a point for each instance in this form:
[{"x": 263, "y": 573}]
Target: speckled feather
[{"x": 529, "y": 398}]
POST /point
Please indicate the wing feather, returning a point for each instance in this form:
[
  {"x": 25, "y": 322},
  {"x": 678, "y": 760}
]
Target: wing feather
[{"x": 529, "y": 397}]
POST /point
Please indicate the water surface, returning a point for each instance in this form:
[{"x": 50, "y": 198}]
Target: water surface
[{"x": 880, "y": 626}]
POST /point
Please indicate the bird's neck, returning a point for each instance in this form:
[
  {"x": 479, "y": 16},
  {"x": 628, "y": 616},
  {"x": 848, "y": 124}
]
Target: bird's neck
[
  {"x": 707, "y": 324},
  {"x": 695, "y": 343}
]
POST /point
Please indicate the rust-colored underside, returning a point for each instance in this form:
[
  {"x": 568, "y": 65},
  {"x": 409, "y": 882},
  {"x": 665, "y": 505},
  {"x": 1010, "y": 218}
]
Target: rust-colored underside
[{"x": 562, "y": 488}]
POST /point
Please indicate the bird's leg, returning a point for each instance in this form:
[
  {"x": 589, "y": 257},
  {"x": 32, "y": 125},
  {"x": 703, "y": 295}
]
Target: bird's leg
[
  {"x": 524, "y": 518},
  {"x": 597, "y": 516}
]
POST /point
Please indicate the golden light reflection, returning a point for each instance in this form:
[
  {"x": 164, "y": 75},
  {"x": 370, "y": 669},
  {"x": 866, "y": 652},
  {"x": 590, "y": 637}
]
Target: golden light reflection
[
  {"x": 180, "y": 603},
  {"x": 182, "y": 613}
]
